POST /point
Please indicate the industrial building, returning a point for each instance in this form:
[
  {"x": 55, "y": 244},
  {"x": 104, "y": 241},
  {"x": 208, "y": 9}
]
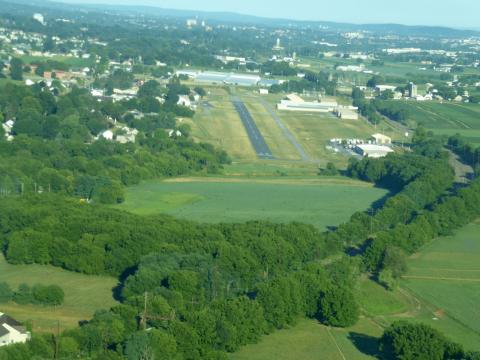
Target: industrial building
[
  {"x": 223, "y": 78},
  {"x": 380, "y": 139},
  {"x": 373, "y": 151},
  {"x": 293, "y": 102}
]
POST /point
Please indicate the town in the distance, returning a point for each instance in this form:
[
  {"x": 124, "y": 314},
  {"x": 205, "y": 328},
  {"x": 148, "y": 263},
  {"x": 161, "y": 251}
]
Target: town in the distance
[{"x": 190, "y": 185}]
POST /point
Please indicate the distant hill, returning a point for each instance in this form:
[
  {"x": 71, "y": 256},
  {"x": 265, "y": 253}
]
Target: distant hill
[{"x": 235, "y": 18}]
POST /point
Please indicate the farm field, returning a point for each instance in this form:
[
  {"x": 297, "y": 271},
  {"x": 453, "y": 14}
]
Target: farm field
[
  {"x": 446, "y": 276},
  {"x": 309, "y": 340},
  {"x": 84, "y": 294},
  {"x": 447, "y": 118},
  {"x": 330, "y": 200}
]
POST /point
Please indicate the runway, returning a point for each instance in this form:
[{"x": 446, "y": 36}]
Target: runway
[{"x": 256, "y": 137}]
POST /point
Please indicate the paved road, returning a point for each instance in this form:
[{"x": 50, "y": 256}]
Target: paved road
[
  {"x": 256, "y": 138},
  {"x": 285, "y": 131}
]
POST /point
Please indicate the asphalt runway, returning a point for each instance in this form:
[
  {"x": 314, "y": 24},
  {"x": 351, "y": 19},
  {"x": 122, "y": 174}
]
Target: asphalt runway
[{"x": 256, "y": 137}]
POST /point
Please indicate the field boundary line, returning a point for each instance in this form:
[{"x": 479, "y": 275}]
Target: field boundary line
[
  {"x": 336, "y": 344},
  {"x": 438, "y": 278},
  {"x": 444, "y": 269}
]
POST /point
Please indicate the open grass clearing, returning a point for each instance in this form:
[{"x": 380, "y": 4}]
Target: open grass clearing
[
  {"x": 84, "y": 294},
  {"x": 319, "y": 201},
  {"x": 310, "y": 340}
]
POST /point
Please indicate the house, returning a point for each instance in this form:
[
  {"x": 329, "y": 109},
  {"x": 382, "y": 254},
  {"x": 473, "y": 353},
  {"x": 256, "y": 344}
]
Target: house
[
  {"x": 373, "y": 151},
  {"x": 263, "y": 91},
  {"x": 184, "y": 100},
  {"x": 11, "y": 331},
  {"x": 108, "y": 135},
  {"x": 174, "y": 133},
  {"x": 381, "y": 139}
]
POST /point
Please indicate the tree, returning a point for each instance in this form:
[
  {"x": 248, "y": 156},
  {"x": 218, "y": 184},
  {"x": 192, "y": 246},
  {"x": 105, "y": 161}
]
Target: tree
[
  {"x": 6, "y": 293},
  {"x": 23, "y": 295},
  {"x": 386, "y": 278},
  {"x": 374, "y": 81},
  {"x": 337, "y": 307},
  {"x": 395, "y": 260},
  {"x": 48, "y": 295},
  {"x": 330, "y": 170},
  {"x": 407, "y": 341},
  {"x": 200, "y": 91},
  {"x": 16, "y": 69}
]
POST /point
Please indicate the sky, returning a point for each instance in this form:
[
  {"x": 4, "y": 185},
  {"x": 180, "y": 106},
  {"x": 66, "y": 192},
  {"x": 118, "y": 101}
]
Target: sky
[{"x": 457, "y": 13}]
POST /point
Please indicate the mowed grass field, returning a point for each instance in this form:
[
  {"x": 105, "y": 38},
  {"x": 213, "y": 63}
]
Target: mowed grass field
[
  {"x": 446, "y": 276},
  {"x": 84, "y": 294},
  {"x": 319, "y": 201},
  {"x": 310, "y": 340}
]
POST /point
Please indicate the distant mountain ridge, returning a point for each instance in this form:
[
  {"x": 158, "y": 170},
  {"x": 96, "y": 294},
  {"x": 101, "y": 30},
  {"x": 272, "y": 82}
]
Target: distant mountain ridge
[{"x": 236, "y": 18}]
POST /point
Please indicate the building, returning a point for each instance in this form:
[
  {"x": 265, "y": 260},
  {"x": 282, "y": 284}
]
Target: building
[
  {"x": 192, "y": 22},
  {"x": 293, "y": 102},
  {"x": 347, "y": 114},
  {"x": 381, "y": 139},
  {"x": 39, "y": 18},
  {"x": 412, "y": 90},
  {"x": 263, "y": 91},
  {"x": 278, "y": 45},
  {"x": 108, "y": 135},
  {"x": 382, "y": 88},
  {"x": 11, "y": 331},
  {"x": 373, "y": 151},
  {"x": 184, "y": 100}
]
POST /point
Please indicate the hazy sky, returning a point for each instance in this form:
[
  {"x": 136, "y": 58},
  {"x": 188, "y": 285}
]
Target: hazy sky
[{"x": 458, "y": 13}]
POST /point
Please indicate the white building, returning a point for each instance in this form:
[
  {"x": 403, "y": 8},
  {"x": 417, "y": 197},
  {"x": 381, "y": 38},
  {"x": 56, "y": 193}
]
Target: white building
[
  {"x": 381, "y": 139},
  {"x": 373, "y": 151},
  {"x": 382, "y": 88},
  {"x": 184, "y": 100},
  {"x": 108, "y": 135},
  {"x": 192, "y": 22},
  {"x": 347, "y": 114},
  {"x": 296, "y": 103},
  {"x": 39, "y": 18},
  {"x": 11, "y": 331}
]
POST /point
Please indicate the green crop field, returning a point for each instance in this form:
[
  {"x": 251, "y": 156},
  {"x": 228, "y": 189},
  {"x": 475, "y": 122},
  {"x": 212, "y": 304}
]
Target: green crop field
[
  {"x": 446, "y": 276},
  {"x": 84, "y": 294},
  {"x": 446, "y": 118},
  {"x": 319, "y": 201},
  {"x": 310, "y": 340}
]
